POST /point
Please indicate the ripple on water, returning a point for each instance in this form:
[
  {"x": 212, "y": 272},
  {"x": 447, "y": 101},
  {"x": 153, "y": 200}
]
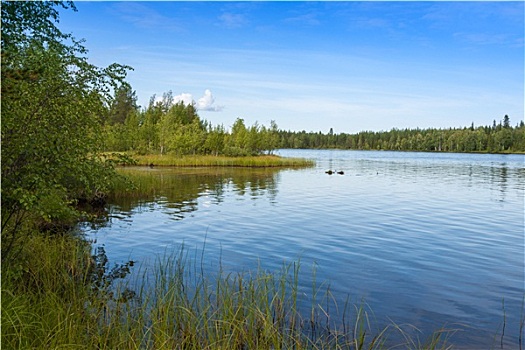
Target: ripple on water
[{"x": 426, "y": 239}]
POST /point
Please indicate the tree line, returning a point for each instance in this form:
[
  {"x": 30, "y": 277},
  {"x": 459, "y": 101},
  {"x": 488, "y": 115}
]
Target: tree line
[
  {"x": 495, "y": 138},
  {"x": 167, "y": 127}
]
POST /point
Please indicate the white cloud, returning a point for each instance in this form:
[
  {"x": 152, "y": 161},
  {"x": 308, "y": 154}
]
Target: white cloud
[
  {"x": 206, "y": 103},
  {"x": 186, "y": 98}
]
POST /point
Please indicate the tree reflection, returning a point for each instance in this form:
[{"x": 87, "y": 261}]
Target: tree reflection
[{"x": 177, "y": 190}]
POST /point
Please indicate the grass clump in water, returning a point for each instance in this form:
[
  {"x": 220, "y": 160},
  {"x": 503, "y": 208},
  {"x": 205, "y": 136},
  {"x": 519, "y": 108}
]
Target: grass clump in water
[{"x": 59, "y": 296}]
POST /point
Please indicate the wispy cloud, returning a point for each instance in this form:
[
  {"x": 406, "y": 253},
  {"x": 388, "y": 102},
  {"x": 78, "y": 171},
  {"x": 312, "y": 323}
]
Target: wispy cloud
[
  {"x": 145, "y": 17},
  {"x": 489, "y": 39},
  {"x": 356, "y": 78},
  {"x": 310, "y": 19},
  {"x": 233, "y": 20}
]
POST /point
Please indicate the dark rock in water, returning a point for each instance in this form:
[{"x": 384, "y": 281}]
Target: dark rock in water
[{"x": 151, "y": 165}]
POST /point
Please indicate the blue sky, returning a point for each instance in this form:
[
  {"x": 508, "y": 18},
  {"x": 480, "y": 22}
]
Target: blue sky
[{"x": 313, "y": 66}]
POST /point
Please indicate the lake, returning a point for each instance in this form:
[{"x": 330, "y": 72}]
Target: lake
[{"x": 426, "y": 239}]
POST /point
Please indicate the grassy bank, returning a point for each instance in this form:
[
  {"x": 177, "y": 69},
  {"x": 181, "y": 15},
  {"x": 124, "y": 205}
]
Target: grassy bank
[
  {"x": 57, "y": 296},
  {"x": 221, "y": 161}
]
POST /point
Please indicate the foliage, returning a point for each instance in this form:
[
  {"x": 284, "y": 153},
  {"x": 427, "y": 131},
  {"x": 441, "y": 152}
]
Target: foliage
[
  {"x": 180, "y": 130},
  {"x": 165, "y": 127},
  {"x": 53, "y": 105},
  {"x": 124, "y": 104},
  {"x": 494, "y": 139}
]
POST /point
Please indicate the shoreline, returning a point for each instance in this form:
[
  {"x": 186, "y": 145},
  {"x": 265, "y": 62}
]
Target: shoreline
[{"x": 167, "y": 160}]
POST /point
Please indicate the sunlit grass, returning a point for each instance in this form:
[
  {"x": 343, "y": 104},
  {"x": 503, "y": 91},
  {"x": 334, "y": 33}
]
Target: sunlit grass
[{"x": 222, "y": 161}]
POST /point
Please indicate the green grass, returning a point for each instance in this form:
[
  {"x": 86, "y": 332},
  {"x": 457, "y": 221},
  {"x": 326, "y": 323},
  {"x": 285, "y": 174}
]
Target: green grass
[
  {"x": 44, "y": 294},
  {"x": 222, "y": 161},
  {"x": 57, "y": 297}
]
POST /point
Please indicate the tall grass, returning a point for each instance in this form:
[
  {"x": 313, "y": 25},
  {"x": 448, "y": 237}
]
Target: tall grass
[
  {"x": 53, "y": 299},
  {"x": 221, "y": 161},
  {"x": 44, "y": 294}
]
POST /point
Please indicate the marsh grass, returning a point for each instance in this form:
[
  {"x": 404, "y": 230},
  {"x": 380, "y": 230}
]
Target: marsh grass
[
  {"x": 53, "y": 299},
  {"x": 263, "y": 161},
  {"x": 44, "y": 293}
]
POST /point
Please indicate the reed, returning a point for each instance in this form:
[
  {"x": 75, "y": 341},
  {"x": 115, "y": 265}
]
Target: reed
[
  {"x": 261, "y": 161},
  {"x": 57, "y": 297}
]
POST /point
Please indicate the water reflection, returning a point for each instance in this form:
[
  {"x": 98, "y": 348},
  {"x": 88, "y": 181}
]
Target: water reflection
[
  {"x": 427, "y": 239},
  {"x": 176, "y": 191},
  {"x": 504, "y": 173}
]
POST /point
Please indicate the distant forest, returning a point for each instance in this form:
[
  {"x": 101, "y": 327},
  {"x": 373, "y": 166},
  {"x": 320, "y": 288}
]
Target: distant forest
[
  {"x": 500, "y": 137},
  {"x": 166, "y": 127}
]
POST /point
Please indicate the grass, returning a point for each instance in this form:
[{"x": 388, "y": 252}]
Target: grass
[
  {"x": 44, "y": 294},
  {"x": 56, "y": 295},
  {"x": 222, "y": 161}
]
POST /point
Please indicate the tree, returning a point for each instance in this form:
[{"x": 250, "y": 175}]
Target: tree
[
  {"x": 53, "y": 104},
  {"x": 123, "y": 104},
  {"x": 253, "y": 140},
  {"x": 237, "y": 142},
  {"x": 215, "y": 140},
  {"x": 506, "y": 122},
  {"x": 180, "y": 129},
  {"x": 273, "y": 137}
]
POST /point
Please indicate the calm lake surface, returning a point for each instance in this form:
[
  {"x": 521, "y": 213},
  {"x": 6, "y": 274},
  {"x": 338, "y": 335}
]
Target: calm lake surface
[{"x": 424, "y": 238}]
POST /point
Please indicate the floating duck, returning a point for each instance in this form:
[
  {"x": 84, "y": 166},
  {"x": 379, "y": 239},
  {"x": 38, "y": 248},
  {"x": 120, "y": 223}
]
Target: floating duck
[
  {"x": 340, "y": 172},
  {"x": 329, "y": 172}
]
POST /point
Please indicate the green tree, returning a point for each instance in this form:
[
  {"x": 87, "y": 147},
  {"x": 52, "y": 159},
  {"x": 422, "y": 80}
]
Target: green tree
[
  {"x": 237, "y": 142},
  {"x": 254, "y": 140},
  {"x": 273, "y": 137},
  {"x": 53, "y": 105},
  {"x": 148, "y": 130},
  {"x": 180, "y": 129},
  {"x": 506, "y": 122},
  {"x": 123, "y": 104},
  {"x": 215, "y": 138}
]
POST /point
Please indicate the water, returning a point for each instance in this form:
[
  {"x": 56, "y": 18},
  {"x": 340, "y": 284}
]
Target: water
[{"x": 427, "y": 239}]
